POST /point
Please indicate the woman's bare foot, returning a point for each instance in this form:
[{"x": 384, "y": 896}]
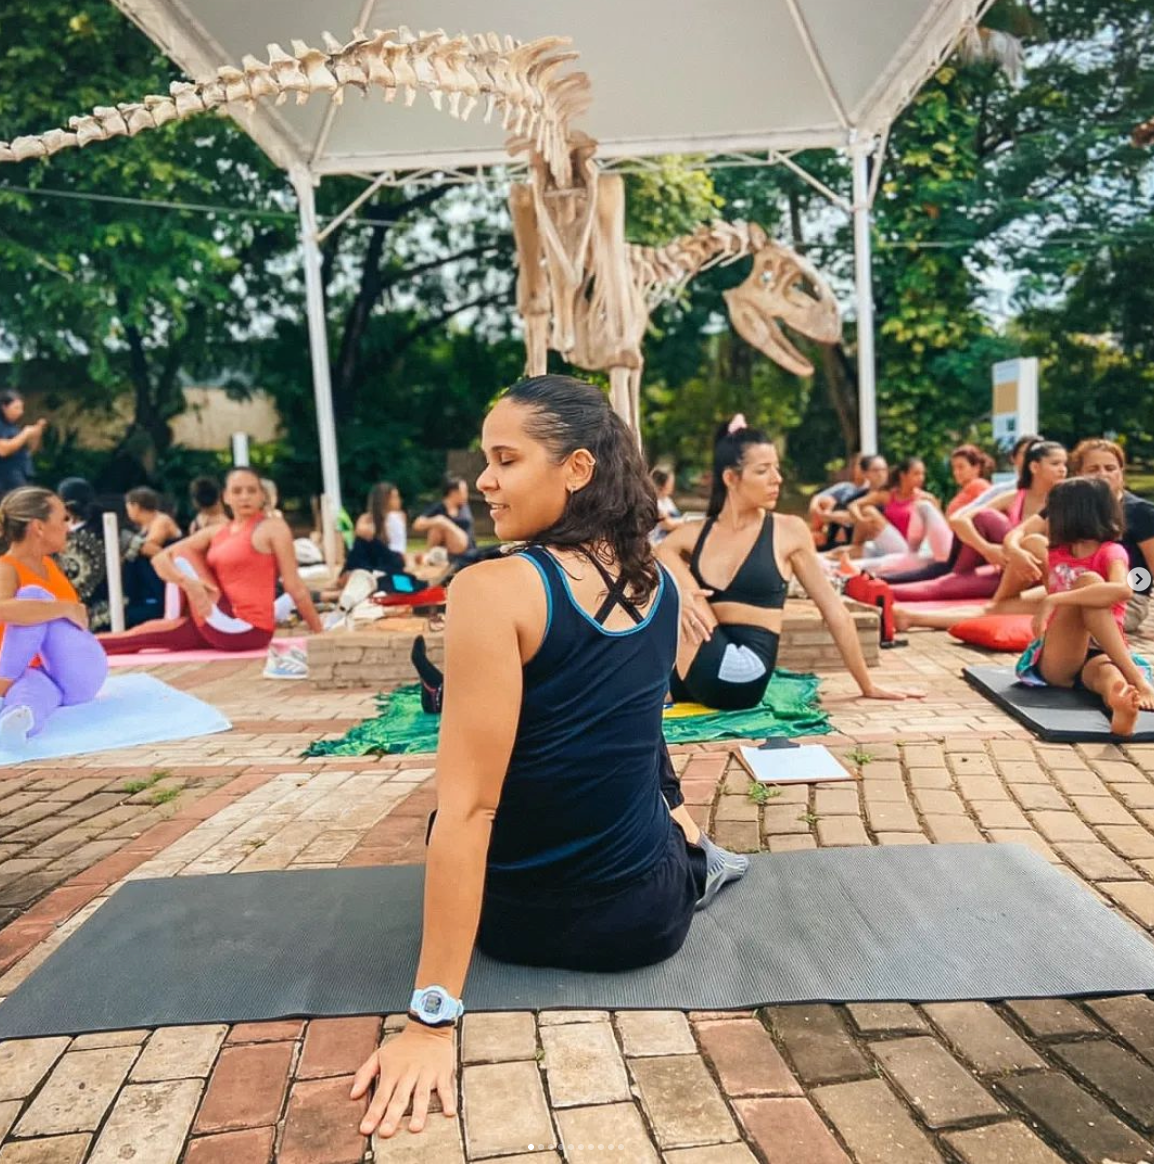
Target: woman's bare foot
[
  {"x": 1124, "y": 702},
  {"x": 903, "y": 619},
  {"x": 1146, "y": 697}
]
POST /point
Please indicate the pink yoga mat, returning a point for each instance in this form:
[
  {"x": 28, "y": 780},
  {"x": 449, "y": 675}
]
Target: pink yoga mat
[{"x": 152, "y": 658}]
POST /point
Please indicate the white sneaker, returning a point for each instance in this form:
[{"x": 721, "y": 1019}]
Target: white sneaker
[
  {"x": 290, "y": 664},
  {"x": 437, "y": 556}
]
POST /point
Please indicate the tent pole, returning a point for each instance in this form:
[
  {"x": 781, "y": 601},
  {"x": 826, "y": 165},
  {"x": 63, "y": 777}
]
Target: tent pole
[
  {"x": 302, "y": 181},
  {"x": 863, "y": 281}
]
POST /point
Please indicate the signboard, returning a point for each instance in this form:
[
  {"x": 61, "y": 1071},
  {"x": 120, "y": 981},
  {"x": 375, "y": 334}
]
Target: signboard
[{"x": 1015, "y": 409}]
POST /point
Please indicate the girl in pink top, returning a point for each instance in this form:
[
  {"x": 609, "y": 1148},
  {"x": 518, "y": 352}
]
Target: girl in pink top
[
  {"x": 1080, "y": 641},
  {"x": 228, "y": 574}
]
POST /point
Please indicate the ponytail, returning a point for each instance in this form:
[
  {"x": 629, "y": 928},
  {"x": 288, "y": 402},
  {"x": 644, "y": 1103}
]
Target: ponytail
[
  {"x": 19, "y": 509},
  {"x": 730, "y": 443}
]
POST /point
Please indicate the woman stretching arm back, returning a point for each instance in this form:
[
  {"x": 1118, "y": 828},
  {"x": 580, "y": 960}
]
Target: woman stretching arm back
[
  {"x": 228, "y": 574},
  {"x": 552, "y": 843},
  {"x": 733, "y": 574}
]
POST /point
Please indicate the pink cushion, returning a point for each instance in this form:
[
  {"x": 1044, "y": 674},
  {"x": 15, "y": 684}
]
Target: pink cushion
[{"x": 998, "y": 632}]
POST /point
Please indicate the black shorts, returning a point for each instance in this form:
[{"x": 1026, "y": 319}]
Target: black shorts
[
  {"x": 618, "y": 927},
  {"x": 703, "y": 683}
]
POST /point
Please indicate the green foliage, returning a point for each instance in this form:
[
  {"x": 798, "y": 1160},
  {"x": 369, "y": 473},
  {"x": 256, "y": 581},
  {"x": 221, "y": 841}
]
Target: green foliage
[
  {"x": 130, "y": 296},
  {"x": 1033, "y": 186},
  {"x": 672, "y": 197}
]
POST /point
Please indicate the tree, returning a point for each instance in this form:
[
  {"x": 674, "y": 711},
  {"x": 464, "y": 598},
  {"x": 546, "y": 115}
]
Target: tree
[{"x": 128, "y": 294}]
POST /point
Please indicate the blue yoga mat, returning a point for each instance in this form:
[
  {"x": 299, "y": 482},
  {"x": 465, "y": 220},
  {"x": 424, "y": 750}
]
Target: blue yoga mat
[{"x": 130, "y": 709}]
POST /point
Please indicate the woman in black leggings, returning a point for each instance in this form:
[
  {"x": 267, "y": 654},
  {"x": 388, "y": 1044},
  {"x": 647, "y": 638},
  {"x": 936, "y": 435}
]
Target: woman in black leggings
[
  {"x": 733, "y": 574},
  {"x": 554, "y": 841}
]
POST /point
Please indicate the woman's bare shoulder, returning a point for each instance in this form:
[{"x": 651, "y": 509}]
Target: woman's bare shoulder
[{"x": 684, "y": 537}]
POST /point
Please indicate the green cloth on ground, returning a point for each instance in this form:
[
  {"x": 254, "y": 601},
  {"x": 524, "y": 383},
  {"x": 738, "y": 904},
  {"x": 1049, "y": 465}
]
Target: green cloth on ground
[{"x": 790, "y": 708}]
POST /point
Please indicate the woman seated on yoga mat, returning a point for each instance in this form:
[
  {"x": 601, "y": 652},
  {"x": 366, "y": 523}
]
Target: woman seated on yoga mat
[
  {"x": 830, "y": 521},
  {"x": 963, "y": 559},
  {"x": 48, "y": 657},
  {"x": 384, "y": 519},
  {"x": 987, "y": 532},
  {"x": 553, "y": 843},
  {"x": 731, "y": 630},
  {"x": 1106, "y": 460},
  {"x": 1080, "y": 641},
  {"x": 229, "y": 575},
  {"x": 155, "y": 530},
  {"x": 1043, "y": 466},
  {"x": 899, "y": 518}
]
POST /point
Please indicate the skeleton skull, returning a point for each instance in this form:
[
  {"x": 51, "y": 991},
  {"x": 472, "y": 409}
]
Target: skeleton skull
[{"x": 783, "y": 286}]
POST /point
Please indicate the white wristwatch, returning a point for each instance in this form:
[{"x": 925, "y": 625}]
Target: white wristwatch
[{"x": 434, "y": 1006}]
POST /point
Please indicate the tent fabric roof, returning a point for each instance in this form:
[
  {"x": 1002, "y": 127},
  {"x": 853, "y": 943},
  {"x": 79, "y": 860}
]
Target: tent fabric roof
[{"x": 668, "y": 76}]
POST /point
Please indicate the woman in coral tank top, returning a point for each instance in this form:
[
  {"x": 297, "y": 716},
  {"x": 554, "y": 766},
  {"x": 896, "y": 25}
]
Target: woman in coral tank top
[
  {"x": 228, "y": 574},
  {"x": 48, "y": 658}
]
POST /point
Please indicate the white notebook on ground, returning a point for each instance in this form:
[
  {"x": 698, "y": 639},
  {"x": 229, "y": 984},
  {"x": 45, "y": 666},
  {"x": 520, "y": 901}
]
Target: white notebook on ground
[{"x": 807, "y": 764}]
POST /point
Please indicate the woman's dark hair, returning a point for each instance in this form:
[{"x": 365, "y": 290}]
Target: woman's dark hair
[
  {"x": 618, "y": 507},
  {"x": 1023, "y": 442},
  {"x": 144, "y": 497},
  {"x": 450, "y": 482},
  {"x": 204, "y": 492},
  {"x": 20, "y": 508},
  {"x": 974, "y": 456},
  {"x": 1038, "y": 451},
  {"x": 79, "y": 499},
  {"x": 900, "y": 470},
  {"x": 377, "y": 505},
  {"x": 1083, "y": 509},
  {"x": 661, "y": 477},
  {"x": 729, "y": 453}
]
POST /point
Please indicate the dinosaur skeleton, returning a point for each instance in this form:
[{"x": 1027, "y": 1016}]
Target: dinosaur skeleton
[
  {"x": 585, "y": 292},
  {"x": 582, "y": 290},
  {"x": 521, "y": 79}
]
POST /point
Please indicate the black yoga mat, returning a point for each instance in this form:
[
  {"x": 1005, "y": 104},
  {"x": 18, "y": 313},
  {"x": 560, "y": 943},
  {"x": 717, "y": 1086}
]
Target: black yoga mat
[
  {"x": 917, "y": 923},
  {"x": 1060, "y": 714}
]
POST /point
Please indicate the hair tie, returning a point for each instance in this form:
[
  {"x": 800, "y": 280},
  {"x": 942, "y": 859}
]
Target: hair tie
[{"x": 737, "y": 423}]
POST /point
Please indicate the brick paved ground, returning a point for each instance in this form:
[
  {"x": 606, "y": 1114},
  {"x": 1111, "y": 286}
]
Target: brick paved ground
[{"x": 1016, "y": 1083}]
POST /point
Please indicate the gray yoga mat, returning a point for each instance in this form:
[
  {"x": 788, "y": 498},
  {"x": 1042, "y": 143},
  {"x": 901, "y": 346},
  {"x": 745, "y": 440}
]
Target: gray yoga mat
[
  {"x": 916, "y": 923},
  {"x": 1059, "y": 714}
]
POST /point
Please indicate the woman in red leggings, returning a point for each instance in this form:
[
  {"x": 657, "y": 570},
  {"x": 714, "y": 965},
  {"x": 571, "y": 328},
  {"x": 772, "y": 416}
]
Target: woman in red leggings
[{"x": 228, "y": 574}]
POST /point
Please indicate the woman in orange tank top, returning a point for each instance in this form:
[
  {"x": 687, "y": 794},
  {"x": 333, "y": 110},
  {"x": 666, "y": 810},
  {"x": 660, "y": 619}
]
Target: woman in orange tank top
[
  {"x": 48, "y": 658},
  {"x": 228, "y": 574}
]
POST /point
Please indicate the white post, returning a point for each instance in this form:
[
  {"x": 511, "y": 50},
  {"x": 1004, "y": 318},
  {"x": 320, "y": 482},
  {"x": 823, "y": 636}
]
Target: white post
[
  {"x": 112, "y": 566},
  {"x": 302, "y": 181},
  {"x": 329, "y": 533},
  {"x": 240, "y": 450},
  {"x": 863, "y": 282}
]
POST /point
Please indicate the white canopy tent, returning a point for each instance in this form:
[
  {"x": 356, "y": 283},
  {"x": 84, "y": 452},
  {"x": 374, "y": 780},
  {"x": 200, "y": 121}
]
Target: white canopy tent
[{"x": 737, "y": 81}]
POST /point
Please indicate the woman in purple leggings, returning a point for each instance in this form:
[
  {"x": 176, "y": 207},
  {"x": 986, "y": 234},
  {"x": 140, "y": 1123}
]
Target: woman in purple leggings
[{"x": 48, "y": 657}]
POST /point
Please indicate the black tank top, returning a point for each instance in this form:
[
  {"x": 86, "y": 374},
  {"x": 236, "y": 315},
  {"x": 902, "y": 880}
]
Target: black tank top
[
  {"x": 581, "y": 804},
  {"x": 758, "y": 581}
]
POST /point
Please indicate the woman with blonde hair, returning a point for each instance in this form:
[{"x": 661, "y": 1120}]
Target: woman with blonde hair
[{"x": 48, "y": 657}]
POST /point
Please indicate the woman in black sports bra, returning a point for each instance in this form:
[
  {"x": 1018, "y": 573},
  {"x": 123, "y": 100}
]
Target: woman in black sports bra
[{"x": 731, "y": 630}]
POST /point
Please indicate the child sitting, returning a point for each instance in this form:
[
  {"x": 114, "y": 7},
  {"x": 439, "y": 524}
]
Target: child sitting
[{"x": 1080, "y": 641}]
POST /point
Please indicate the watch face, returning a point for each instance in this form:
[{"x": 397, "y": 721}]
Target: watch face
[{"x": 431, "y": 1004}]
